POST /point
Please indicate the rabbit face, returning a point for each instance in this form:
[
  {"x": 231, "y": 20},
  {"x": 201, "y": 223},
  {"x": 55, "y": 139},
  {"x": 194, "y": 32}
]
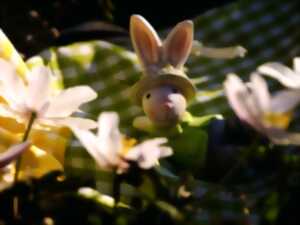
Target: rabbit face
[{"x": 164, "y": 105}]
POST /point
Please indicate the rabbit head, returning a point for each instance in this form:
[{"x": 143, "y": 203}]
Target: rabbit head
[{"x": 164, "y": 89}]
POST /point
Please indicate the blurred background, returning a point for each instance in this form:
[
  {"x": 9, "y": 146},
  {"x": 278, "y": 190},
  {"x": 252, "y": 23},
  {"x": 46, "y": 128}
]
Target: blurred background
[
  {"x": 38, "y": 24},
  {"x": 267, "y": 185}
]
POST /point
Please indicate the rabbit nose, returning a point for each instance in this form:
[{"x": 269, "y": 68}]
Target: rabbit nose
[{"x": 168, "y": 105}]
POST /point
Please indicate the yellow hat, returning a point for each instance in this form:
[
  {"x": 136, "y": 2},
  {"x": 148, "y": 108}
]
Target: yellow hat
[{"x": 167, "y": 76}]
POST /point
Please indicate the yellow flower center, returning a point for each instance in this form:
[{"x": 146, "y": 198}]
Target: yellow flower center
[
  {"x": 127, "y": 144},
  {"x": 278, "y": 120}
]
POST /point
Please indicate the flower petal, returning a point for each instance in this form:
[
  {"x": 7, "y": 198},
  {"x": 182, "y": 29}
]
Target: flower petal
[
  {"x": 241, "y": 100},
  {"x": 68, "y": 101},
  {"x": 165, "y": 152},
  {"x": 297, "y": 65},
  {"x": 12, "y": 153},
  {"x": 148, "y": 152},
  {"x": 109, "y": 136},
  {"x": 77, "y": 122},
  {"x": 37, "y": 162},
  {"x": 90, "y": 142},
  {"x": 234, "y": 86},
  {"x": 283, "y": 74},
  {"x": 284, "y": 101},
  {"x": 260, "y": 92},
  {"x": 7, "y": 111},
  {"x": 38, "y": 87},
  {"x": 13, "y": 88}
]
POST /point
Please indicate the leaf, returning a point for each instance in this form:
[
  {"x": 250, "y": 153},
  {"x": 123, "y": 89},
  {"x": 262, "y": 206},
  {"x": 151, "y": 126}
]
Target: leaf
[
  {"x": 171, "y": 210},
  {"x": 189, "y": 148},
  {"x": 199, "y": 121},
  {"x": 105, "y": 200}
]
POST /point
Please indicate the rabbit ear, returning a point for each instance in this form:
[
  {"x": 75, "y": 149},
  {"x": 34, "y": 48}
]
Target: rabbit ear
[
  {"x": 178, "y": 43},
  {"x": 145, "y": 41}
]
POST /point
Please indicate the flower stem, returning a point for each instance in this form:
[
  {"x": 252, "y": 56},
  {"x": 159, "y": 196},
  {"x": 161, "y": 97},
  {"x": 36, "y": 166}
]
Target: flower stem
[
  {"x": 18, "y": 164},
  {"x": 25, "y": 137},
  {"x": 116, "y": 186}
]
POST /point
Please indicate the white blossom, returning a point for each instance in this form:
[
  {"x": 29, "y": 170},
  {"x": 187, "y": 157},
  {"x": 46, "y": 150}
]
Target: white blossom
[
  {"x": 269, "y": 115},
  {"x": 286, "y": 76},
  {"x": 112, "y": 151},
  {"x": 35, "y": 95}
]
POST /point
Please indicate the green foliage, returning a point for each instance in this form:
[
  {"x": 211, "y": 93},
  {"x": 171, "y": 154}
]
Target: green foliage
[{"x": 189, "y": 148}]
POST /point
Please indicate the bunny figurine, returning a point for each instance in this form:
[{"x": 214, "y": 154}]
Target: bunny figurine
[{"x": 164, "y": 90}]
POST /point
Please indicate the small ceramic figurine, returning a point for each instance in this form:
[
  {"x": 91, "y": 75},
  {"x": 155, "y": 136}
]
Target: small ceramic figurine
[{"x": 164, "y": 90}]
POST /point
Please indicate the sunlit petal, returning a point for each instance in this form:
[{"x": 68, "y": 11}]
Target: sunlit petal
[
  {"x": 234, "y": 88},
  {"x": 260, "y": 92},
  {"x": 297, "y": 65},
  {"x": 165, "y": 151},
  {"x": 69, "y": 100},
  {"x": 12, "y": 87},
  {"x": 89, "y": 141},
  {"x": 109, "y": 136},
  {"x": 7, "y": 111},
  {"x": 283, "y": 74},
  {"x": 77, "y": 122},
  {"x": 148, "y": 152},
  {"x": 39, "y": 88},
  {"x": 241, "y": 100}
]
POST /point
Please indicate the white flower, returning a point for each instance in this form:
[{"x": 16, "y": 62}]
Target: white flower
[
  {"x": 12, "y": 153},
  {"x": 269, "y": 115},
  {"x": 112, "y": 150},
  {"x": 148, "y": 152},
  {"x": 35, "y": 95},
  {"x": 286, "y": 76}
]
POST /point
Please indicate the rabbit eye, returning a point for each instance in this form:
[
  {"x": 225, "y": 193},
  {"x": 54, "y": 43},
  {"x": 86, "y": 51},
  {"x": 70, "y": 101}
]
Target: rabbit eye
[
  {"x": 148, "y": 95},
  {"x": 174, "y": 90}
]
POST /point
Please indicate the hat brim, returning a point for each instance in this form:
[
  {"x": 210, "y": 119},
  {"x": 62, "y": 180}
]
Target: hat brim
[{"x": 146, "y": 83}]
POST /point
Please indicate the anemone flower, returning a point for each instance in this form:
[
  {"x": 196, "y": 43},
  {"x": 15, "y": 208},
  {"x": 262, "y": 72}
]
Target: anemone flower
[
  {"x": 269, "y": 115},
  {"x": 112, "y": 151},
  {"x": 286, "y": 76},
  {"x": 35, "y": 96},
  {"x": 12, "y": 153}
]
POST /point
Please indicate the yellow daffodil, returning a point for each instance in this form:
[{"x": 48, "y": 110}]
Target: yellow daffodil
[
  {"x": 50, "y": 108},
  {"x": 48, "y": 137}
]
